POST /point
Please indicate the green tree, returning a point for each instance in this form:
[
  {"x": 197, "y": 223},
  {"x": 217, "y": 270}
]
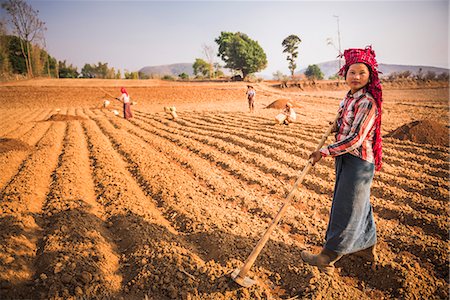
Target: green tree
[
  {"x": 201, "y": 67},
  {"x": 100, "y": 70},
  {"x": 183, "y": 76},
  {"x": 313, "y": 72},
  {"x": 16, "y": 59},
  {"x": 27, "y": 26},
  {"x": 290, "y": 45},
  {"x": 67, "y": 71},
  {"x": 142, "y": 75},
  {"x": 87, "y": 71},
  {"x": 241, "y": 53},
  {"x": 131, "y": 75},
  {"x": 50, "y": 64},
  {"x": 15, "y": 62},
  {"x": 5, "y": 66}
]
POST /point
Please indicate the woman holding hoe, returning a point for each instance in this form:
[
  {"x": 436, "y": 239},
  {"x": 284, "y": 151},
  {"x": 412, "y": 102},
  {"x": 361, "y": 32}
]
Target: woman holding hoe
[
  {"x": 125, "y": 99},
  {"x": 357, "y": 153}
]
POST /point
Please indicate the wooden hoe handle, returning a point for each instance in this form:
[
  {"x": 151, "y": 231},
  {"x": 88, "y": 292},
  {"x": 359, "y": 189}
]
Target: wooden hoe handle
[
  {"x": 251, "y": 259},
  {"x": 114, "y": 97}
]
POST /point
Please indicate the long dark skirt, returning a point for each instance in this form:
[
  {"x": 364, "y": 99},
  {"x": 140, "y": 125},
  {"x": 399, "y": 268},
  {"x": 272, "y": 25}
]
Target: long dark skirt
[
  {"x": 351, "y": 227},
  {"x": 127, "y": 111}
]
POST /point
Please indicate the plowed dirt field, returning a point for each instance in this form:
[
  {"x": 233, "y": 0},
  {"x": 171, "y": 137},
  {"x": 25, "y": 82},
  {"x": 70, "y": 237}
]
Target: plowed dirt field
[{"x": 97, "y": 207}]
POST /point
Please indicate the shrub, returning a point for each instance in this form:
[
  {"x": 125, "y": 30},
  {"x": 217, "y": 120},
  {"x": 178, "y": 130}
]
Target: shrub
[{"x": 167, "y": 77}]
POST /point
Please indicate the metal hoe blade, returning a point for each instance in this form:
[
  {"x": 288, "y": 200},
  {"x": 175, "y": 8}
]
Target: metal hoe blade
[{"x": 243, "y": 281}]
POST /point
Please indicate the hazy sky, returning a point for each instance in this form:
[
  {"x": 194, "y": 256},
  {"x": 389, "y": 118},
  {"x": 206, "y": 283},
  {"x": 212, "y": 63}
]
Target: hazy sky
[{"x": 129, "y": 35}]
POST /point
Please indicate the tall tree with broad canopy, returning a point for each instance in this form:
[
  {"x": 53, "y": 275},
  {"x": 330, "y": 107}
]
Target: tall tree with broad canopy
[
  {"x": 240, "y": 53},
  {"x": 290, "y": 45}
]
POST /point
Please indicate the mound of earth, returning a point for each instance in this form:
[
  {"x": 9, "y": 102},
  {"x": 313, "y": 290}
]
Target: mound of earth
[
  {"x": 60, "y": 117},
  {"x": 423, "y": 132},
  {"x": 12, "y": 145},
  {"x": 281, "y": 103}
]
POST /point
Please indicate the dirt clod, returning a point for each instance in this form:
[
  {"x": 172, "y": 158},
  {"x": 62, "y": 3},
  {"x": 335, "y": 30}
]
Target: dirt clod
[
  {"x": 7, "y": 144},
  {"x": 61, "y": 117},
  {"x": 423, "y": 132},
  {"x": 281, "y": 103}
]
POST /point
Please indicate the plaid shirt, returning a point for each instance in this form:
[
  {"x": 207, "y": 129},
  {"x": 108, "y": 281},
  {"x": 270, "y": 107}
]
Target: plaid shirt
[{"x": 356, "y": 127}]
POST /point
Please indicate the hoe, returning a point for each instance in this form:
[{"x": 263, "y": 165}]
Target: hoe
[{"x": 238, "y": 274}]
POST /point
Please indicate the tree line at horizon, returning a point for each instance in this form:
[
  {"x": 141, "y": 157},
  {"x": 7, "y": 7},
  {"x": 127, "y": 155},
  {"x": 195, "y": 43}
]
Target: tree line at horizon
[{"x": 24, "y": 53}]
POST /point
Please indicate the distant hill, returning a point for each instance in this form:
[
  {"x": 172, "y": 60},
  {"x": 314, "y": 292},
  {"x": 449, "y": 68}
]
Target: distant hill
[
  {"x": 173, "y": 69},
  {"x": 329, "y": 68}
]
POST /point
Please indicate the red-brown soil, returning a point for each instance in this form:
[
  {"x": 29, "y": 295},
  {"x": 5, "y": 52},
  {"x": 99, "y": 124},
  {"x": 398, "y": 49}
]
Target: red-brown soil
[
  {"x": 99, "y": 207},
  {"x": 424, "y": 132}
]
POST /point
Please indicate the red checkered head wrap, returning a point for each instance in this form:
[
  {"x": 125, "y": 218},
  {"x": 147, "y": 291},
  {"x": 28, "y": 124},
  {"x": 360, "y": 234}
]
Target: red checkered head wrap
[
  {"x": 367, "y": 56},
  {"x": 353, "y": 56},
  {"x": 123, "y": 91}
]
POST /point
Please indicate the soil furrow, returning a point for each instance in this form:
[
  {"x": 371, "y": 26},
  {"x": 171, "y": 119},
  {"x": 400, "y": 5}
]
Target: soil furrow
[
  {"x": 154, "y": 262},
  {"x": 428, "y": 224},
  {"x": 71, "y": 216},
  {"x": 241, "y": 197},
  {"x": 439, "y": 193},
  {"x": 320, "y": 184},
  {"x": 23, "y": 119},
  {"x": 10, "y": 161},
  {"x": 297, "y": 145},
  {"x": 274, "y": 133},
  {"x": 223, "y": 237},
  {"x": 203, "y": 147},
  {"x": 251, "y": 154},
  {"x": 22, "y": 199},
  {"x": 427, "y": 157},
  {"x": 25, "y": 123},
  {"x": 220, "y": 158},
  {"x": 149, "y": 246},
  {"x": 286, "y": 146},
  {"x": 12, "y": 121},
  {"x": 407, "y": 217}
]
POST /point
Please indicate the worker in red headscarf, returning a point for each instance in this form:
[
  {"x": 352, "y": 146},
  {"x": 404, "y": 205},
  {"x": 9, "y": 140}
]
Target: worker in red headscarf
[
  {"x": 357, "y": 153},
  {"x": 125, "y": 98}
]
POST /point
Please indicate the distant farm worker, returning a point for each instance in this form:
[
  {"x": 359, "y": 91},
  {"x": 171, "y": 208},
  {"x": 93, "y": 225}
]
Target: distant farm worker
[
  {"x": 287, "y": 115},
  {"x": 251, "y": 93},
  {"x": 172, "y": 110},
  {"x": 357, "y": 152},
  {"x": 125, "y": 98}
]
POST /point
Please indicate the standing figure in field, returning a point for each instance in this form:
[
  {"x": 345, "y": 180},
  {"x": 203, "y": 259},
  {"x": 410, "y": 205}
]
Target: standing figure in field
[
  {"x": 251, "y": 93},
  {"x": 287, "y": 115},
  {"x": 357, "y": 152},
  {"x": 125, "y": 98}
]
